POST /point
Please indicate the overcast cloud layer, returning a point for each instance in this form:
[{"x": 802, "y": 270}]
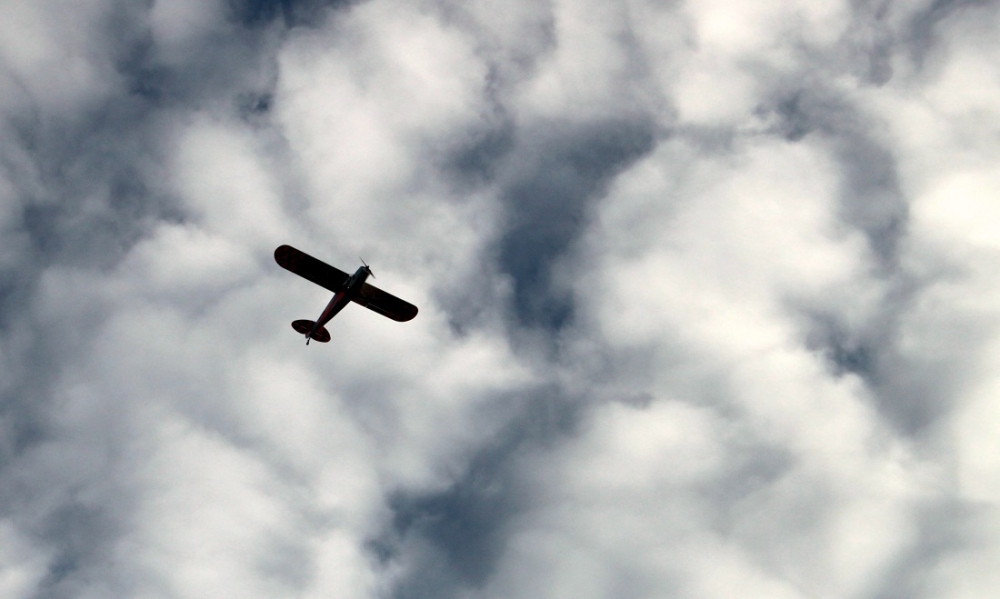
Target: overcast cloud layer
[{"x": 708, "y": 299}]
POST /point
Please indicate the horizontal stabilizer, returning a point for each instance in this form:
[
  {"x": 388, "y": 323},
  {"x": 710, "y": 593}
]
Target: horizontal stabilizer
[{"x": 305, "y": 326}]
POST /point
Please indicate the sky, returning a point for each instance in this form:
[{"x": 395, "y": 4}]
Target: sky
[{"x": 707, "y": 288}]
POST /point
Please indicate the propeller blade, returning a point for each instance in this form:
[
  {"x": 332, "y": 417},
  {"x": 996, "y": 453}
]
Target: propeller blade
[{"x": 368, "y": 268}]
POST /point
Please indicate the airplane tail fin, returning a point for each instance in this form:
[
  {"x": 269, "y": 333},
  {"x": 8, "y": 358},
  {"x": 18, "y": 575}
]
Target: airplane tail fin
[{"x": 306, "y": 326}]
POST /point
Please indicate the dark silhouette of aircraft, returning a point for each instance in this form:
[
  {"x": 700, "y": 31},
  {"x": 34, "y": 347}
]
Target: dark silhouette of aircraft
[{"x": 346, "y": 288}]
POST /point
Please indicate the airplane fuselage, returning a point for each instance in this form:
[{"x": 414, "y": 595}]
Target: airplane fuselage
[{"x": 341, "y": 298}]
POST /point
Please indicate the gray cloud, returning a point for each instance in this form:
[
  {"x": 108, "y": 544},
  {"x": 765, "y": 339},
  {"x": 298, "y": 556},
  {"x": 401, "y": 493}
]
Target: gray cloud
[
  {"x": 548, "y": 203},
  {"x": 454, "y": 539},
  {"x": 706, "y": 291}
]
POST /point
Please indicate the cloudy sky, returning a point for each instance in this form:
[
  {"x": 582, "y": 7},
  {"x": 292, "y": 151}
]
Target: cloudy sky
[{"x": 708, "y": 296}]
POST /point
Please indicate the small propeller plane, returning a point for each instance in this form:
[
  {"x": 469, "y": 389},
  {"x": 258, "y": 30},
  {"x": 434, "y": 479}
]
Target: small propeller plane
[{"x": 346, "y": 288}]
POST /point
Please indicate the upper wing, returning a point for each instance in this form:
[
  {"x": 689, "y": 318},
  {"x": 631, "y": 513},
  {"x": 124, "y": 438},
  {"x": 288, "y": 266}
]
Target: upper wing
[
  {"x": 384, "y": 303},
  {"x": 307, "y": 267}
]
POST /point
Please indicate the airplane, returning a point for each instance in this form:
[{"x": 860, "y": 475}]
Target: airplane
[{"x": 346, "y": 288}]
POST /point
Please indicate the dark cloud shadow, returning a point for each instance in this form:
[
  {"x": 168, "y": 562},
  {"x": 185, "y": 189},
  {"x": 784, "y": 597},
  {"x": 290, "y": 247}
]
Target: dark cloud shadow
[
  {"x": 943, "y": 529},
  {"x": 910, "y": 394},
  {"x": 83, "y": 538},
  {"x": 562, "y": 168},
  {"x": 871, "y": 198},
  {"x": 921, "y": 36},
  {"x": 846, "y": 351},
  {"x": 452, "y": 540},
  {"x": 870, "y": 42},
  {"x": 291, "y": 13}
]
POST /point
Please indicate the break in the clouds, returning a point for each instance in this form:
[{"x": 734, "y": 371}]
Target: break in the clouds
[{"x": 708, "y": 299}]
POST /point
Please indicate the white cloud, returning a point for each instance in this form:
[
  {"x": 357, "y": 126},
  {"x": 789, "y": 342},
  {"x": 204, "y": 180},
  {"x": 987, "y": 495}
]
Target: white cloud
[
  {"x": 750, "y": 397},
  {"x": 54, "y": 57},
  {"x": 360, "y": 97},
  {"x": 588, "y": 73},
  {"x": 22, "y": 565},
  {"x": 224, "y": 178}
]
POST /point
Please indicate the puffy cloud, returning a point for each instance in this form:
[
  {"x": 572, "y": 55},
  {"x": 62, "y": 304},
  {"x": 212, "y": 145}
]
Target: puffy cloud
[{"x": 706, "y": 293}]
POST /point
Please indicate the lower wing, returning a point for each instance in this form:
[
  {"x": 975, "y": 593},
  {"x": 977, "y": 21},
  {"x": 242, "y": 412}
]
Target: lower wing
[{"x": 384, "y": 303}]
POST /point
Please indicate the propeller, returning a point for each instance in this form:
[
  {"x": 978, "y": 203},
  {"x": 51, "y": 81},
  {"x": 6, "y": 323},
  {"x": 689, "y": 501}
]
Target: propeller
[{"x": 368, "y": 268}]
